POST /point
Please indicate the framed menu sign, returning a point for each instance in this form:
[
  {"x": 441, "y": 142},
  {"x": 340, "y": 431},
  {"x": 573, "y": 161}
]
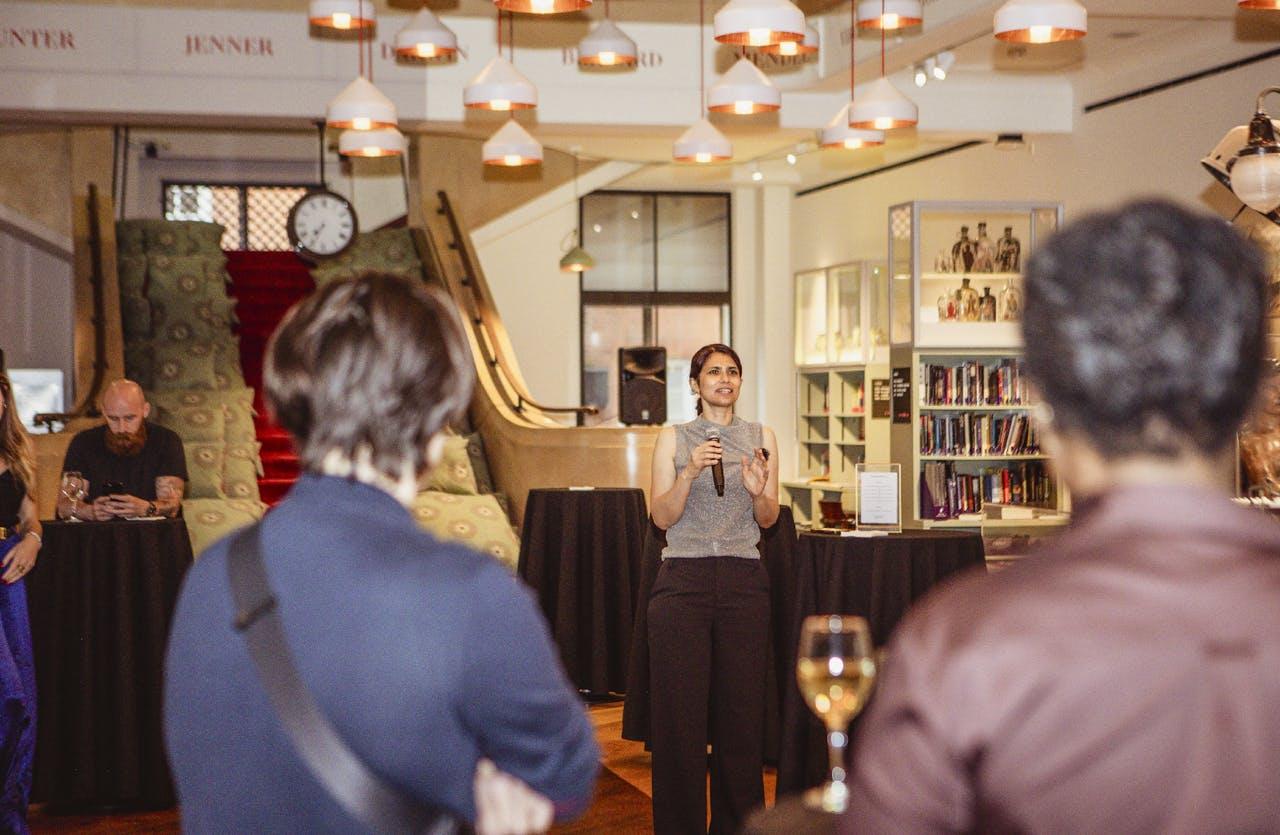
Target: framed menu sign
[
  {"x": 900, "y": 383},
  {"x": 879, "y": 497}
]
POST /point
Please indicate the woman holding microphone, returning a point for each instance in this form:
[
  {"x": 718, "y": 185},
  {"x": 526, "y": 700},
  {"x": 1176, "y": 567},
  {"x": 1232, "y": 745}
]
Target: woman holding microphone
[{"x": 715, "y": 486}]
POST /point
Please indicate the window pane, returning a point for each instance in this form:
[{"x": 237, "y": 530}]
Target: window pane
[
  {"x": 693, "y": 243},
  {"x": 604, "y": 331},
  {"x": 268, "y": 212},
  {"x": 617, "y": 229},
  {"x": 682, "y": 331},
  {"x": 212, "y": 204}
]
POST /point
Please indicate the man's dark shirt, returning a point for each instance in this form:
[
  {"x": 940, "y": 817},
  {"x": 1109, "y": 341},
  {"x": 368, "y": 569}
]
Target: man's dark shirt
[{"x": 160, "y": 456}]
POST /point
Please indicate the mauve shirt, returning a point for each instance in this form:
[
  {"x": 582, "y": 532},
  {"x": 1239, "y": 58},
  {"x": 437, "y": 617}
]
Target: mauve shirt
[{"x": 1126, "y": 679}]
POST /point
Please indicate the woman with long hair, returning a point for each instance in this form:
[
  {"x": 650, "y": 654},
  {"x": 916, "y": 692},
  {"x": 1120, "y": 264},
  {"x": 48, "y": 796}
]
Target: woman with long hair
[
  {"x": 715, "y": 486},
  {"x": 20, "y": 539}
]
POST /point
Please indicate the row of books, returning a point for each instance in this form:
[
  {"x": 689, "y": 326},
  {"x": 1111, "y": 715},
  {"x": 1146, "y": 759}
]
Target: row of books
[
  {"x": 946, "y": 492},
  {"x": 974, "y": 383},
  {"x": 977, "y": 434}
]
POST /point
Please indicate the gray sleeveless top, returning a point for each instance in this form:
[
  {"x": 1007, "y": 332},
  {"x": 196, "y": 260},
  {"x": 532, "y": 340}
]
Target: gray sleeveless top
[{"x": 716, "y": 526}]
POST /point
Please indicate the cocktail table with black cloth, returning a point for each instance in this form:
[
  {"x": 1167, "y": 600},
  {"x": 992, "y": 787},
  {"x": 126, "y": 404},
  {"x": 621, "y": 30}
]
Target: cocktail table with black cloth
[
  {"x": 101, "y": 599},
  {"x": 580, "y": 551},
  {"x": 877, "y": 578},
  {"x": 777, "y": 550}
]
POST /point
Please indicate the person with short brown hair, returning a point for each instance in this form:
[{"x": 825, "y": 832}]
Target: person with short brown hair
[{"x": 430, "y": 660}]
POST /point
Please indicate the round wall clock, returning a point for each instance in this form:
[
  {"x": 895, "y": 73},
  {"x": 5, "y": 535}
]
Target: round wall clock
[{"x": 322, "y": 224}]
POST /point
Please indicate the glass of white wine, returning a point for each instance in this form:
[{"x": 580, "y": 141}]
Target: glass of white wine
[
  {"x": 836, "y": 669},
  {"x": 75, "y": 488}
]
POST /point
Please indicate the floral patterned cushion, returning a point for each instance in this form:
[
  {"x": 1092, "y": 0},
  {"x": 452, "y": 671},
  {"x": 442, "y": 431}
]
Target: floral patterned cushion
[
  {"x": 209, "y": 520},
  {"x": 384, "y": 250},
  {"x": 248, "y": 452},
  {"x": 476, "y": 521},
  {"x": 195, "y": 424},
  {"x": 184, "y": 318},
  {"x": 204, "y": 471},
  {"x": 227, "y": 373},
  {"x": 454, "y": 474},
  {"x": 186, "y": 275},
  {"x": 240, "y": 472},
  {"x": 182, "y": 237},
  {"x": 135, "y": 308},
  {"x": 129, "y": 238},
  {"x": 181, "y": 366}
]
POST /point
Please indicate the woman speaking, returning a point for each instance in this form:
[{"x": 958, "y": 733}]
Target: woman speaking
[{"x": 715, "y": 485}]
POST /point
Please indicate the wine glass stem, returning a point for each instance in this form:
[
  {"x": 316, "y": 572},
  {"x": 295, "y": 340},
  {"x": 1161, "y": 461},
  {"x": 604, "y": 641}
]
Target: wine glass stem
[{"x": 837, "y": 742}]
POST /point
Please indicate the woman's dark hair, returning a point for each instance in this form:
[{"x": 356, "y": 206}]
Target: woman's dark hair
[
  {"x": 700, "y": 359},
  {"x": 376, "y": 362},
  {"x": 1144, "y": 329}
]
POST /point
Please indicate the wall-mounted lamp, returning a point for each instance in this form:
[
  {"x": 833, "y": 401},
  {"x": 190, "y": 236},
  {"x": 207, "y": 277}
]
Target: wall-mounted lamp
[{"x": 1255, "y": 170}]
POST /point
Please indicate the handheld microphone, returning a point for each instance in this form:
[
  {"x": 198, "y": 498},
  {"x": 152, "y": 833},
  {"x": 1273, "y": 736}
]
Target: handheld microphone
[{"x": 717, "y": 469}]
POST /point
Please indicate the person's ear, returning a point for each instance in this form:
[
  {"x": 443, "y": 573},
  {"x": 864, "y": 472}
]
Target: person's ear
[{"x": 146, "y": 410}]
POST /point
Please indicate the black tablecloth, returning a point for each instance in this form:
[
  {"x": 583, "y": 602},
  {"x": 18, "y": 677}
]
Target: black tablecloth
[
  {"x": 877, "y": 578},
  {"x": 580, "y": 551},
  {"x": 101, "y": 599},
  {"x": 777, "y": 550}
]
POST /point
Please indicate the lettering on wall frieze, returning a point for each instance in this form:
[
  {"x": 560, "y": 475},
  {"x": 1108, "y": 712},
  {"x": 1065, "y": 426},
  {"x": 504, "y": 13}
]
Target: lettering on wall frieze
[
  {"x": 648, "y": 59},
  {"x": 249, "y": 46},
  {"x": 48, "y": 40}
]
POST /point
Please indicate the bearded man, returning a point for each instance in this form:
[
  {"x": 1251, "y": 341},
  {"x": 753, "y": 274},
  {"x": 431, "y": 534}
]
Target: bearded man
[{"x": 133, "y": 467}]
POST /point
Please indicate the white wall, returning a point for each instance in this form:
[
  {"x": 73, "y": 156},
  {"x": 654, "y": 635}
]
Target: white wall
[{"x": 36, "y": 323}]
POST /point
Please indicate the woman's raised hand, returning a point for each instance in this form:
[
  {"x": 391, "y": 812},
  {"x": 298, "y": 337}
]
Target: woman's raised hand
[{"x": 755, "y": 473}]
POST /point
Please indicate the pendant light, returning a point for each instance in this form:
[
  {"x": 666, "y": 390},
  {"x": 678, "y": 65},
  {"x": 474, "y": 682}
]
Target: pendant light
[
  {"x": 1255, "y": 171},
  {"x": 1271, "y": 5},
  {"x": 838, "y": 134},
  {"x": 809, "y": 46},
  {"x": 702, "y": 143},
  {"x": 383, "y": 142},
  {"x": 744, "y": 90},
  {"x": 542, "y": 6},
  {"x": 607, "y": 45},
  {"x": 1041, "y": 21},
  {"x": 576, "y": 260},
  {"x": 882, "y": 107},
  {"x": 512, "y": 146},
  {"x": 424, "y": 37},
  {"x": 758, "y": 22},
  {"x": 342, "y": 15},
  {"x": 890, "y": 14},
  {"x": 360, "y": 105},
  {"x": 500, "y": 86}
]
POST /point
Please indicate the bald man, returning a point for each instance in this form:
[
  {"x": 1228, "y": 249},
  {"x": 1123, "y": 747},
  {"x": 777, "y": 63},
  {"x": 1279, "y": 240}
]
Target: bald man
[{"x": 134, "y": 467}]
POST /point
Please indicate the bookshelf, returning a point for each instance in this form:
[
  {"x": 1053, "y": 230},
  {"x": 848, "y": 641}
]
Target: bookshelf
[
  {"x": 842, "y": 340},
  {"x": 967, "y": 439}
]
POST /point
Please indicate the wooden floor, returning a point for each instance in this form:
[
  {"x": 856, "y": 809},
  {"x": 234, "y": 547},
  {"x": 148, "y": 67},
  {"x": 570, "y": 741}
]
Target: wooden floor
[{"x": 620, "y": 806}]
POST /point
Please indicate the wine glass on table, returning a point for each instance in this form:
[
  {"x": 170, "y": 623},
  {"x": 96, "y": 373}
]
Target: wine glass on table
[
  {"x": 74, "y": 488},
  {"x": 836, "y": 669}
]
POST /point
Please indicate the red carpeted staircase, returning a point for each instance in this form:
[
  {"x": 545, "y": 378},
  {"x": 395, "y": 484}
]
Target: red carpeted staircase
[{"x": 265, "y": 285}]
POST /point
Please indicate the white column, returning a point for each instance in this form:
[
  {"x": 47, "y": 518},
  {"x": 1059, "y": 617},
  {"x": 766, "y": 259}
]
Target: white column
[
  {"x": 776, "y": 320},
  {"x": 745, "y": 327}
]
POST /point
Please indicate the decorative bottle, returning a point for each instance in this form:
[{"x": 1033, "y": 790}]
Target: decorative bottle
[
  {"x": 962, "y": 252},
  {"x": 983, "y": 251},
  {"x": 968, "y": 302},
  {"x": 987, "y": 306},
  {"x": 1010, "y": 309},
  {"x": 1008, "y": 252},
  {"x": 944, "y": 307}
]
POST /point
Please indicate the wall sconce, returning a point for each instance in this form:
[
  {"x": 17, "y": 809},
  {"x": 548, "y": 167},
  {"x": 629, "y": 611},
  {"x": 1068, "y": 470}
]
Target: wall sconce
[{"x": 1255, "y": 170}]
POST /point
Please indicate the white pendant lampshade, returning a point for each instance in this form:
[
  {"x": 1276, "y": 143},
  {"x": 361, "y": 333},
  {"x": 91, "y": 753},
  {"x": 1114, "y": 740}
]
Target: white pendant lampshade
[
  {"x": 542, "y": 6},
  {"x": 1259, "y": 4},
  {"x": 744, "y": 90},
  {"x": 512, "y": 146},
  {"x": 1041, "y": 21},
  {"x": 361, "y": 106},
  {"x": 425, "y": 37},
  {"x": 702, "y": 143},
  {"x": 838, "y": 134},
  {"x": 607, "y": 46},
  {"x": 809, "y": 46},
  {"x": 889, "y": 14},
  {"x": 759, "y": 22},
  {"x": 499, "y": 86},
  {"x": 882, "y": 107},
  {"x": 577, "y": 260},
  {"x": 1255, "y": 171},
  {"x": 343, "y": 15},
  {"x": 384, "y": 142}
]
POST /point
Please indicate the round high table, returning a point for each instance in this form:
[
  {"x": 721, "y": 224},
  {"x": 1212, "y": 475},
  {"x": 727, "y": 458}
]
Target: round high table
[
  {"x": 877, "y": 578},
  {"x": 580, "y": 552},
  {"x": 101, "y": 598}
]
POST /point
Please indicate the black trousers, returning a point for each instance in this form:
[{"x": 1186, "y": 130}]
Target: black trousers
[{"x": 708, "y": 634}]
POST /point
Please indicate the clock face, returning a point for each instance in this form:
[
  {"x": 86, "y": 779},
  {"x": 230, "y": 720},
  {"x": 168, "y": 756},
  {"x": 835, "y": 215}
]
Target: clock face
[{"x": 322, "y": 223}]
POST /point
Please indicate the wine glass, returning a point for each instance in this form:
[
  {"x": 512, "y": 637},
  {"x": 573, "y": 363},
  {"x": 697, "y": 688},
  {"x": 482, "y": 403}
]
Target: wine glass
[
  {"x": 836, "y": 669},
  {"x": 75, "y": 488}
]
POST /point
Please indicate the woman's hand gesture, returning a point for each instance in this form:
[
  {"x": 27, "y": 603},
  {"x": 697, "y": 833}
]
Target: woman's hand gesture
[
  {"x": 703, "y": 455},
  {"x": 755, "y": 473}
]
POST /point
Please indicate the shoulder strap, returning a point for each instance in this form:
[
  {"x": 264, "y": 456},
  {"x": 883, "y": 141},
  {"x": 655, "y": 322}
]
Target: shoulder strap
[{"x": 343, "y": 774}]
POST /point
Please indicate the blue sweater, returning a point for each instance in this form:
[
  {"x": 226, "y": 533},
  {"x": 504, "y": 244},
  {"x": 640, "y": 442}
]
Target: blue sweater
[{"x": 425, "y": 656}]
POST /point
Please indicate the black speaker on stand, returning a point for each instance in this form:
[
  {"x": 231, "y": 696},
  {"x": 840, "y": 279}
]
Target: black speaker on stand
[{"x": 642, "y": 385}]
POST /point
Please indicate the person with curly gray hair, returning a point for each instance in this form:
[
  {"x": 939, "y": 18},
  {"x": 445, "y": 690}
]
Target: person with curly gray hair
[{"x": 1127, "y": 677}]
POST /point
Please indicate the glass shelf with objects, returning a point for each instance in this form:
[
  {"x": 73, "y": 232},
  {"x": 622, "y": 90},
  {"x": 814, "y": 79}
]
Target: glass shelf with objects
[
  {"x": 842, "y": 332},
  {"x": 971, "y": 445},
  {"x": 956, "y": 270}
]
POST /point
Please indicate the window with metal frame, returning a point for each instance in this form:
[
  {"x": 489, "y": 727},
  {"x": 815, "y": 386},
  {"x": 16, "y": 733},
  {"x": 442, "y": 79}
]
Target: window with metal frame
[{"x": 254, "y": 215}]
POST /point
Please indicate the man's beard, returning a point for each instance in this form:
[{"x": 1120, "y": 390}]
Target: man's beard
[{"x": 127, "y": 444}]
